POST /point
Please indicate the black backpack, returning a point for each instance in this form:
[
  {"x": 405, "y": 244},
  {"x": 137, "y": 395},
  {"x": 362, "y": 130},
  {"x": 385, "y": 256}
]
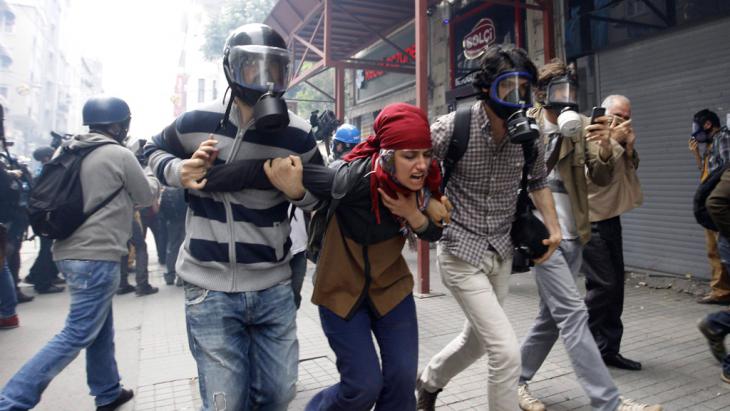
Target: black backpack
[
  {"x": 56, "y": 204},
  {"x": 703, "y": 191}
]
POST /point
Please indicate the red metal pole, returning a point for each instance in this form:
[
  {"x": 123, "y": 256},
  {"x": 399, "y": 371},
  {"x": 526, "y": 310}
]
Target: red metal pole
[
  {"x": 424, "y": 286},
  {"x": 518, "y": 24},
  {"x": 340, "y": 92},
  {"x": 548, "y": 31}
]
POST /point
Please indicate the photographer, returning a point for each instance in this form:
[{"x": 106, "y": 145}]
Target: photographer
[
  {"x": 706, "y": 130},
  {"x": 14, "y": 200}
]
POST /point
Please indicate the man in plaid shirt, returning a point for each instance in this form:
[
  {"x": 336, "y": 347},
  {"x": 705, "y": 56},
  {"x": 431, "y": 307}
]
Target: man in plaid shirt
[{"x": 475, "y": 253}]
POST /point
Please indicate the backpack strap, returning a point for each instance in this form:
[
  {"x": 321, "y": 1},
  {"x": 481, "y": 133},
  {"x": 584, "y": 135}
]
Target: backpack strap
[
  {"x": 103, "y": 203},
  {"x": 85, "y": 152},
  {"x": 458, "y": 143}
]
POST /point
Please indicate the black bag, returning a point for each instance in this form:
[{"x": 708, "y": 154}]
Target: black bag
[
  {"x": 703, "y": 191},
  {"x": 56, "y": 204},
  {"x": 527, "y": 231}
]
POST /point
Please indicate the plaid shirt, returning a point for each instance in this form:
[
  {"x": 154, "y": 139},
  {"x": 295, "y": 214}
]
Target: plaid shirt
[
  {"x": 483, "y": 188},
  {"x": 720, "y": 154}
]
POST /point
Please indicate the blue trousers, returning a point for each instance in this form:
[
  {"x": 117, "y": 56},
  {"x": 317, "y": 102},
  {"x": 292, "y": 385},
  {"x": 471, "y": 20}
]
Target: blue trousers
[
  {"x": 8, "y": 299},
  {"x": 89, "y": 326},
  {"x": 719, "y": 322},
  {"x": 245, "y": 345},
  {"x": 363, "y": 383}
]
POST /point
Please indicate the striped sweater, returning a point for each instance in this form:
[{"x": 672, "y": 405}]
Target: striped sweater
[{"x": 236, "y": 241}]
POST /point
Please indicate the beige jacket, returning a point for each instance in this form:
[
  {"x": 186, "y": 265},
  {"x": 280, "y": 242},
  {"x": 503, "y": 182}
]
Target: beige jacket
[
  {"x": 622, "y": 194},
  {"x": 578, "y": 161}
]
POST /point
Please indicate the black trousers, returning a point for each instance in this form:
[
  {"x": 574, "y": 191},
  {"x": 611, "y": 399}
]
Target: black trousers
[
  {"x": 142, "y": 276},
  {"x": 159, "y": 232},
  {"x": 603, "y": 265},
  {"x": 44, "y": 270}
]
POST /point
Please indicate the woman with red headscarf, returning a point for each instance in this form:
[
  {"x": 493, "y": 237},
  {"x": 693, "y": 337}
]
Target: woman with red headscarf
[{"x": 363, "y": 286}]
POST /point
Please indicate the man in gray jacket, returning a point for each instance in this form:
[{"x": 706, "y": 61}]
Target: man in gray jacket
[{"x": 89, "y": 259}]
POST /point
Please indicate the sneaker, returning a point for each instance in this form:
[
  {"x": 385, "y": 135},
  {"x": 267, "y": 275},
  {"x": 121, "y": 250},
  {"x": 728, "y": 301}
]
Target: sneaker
[
  {"x": 527, "y": 401},
  {"x": 631, "y": 405},
  {"x": 145, "y": 290},
  {"x": 725, "y": 377},
  {"x": 123, "y": 397},
  {"x": 51, "y": 289},
  {"x": 125, "y": 289},
  {"x": 169, "y": 279},
  {"x": 714, "y": 339},
  {"x": 22, "y": 297},
  {"x": 8, "y": 323},
  {"x": 426, "y": 399}
]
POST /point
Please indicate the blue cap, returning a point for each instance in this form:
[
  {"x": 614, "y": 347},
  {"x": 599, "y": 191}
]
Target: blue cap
[{"x": 347, "y": 133}]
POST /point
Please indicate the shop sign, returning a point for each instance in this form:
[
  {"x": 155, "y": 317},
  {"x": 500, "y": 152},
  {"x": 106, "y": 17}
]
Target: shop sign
[{"x": 479, "y": 38}]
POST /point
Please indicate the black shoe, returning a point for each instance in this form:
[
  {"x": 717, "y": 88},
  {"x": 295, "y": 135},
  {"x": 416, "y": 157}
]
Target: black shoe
[
  {"x": 179, "y": 282},
  {"x": 50, "y": 290},
  {"x": 123, "y": 397},
  {"x": 711, "y": 299},
  {"x": 169, "y": 279},
  {"x": 23, "y": 298},
  {"x": 59, "y": 281},
  {"x": 426, "y": 400},
  {"x": 714, "y": 339},
  {"x": 125, "y": 289},
  {"x": 619, "y": 361},
  {"x": 146, "y": 290},
  {"x": 725, "y": 377}
]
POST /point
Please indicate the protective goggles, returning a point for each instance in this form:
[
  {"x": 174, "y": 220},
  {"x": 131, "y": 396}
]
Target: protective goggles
[
  {"x": 260, "y": 68},
  {"x": 562, "y": 92},
  {"x": 512, "y": 89}
]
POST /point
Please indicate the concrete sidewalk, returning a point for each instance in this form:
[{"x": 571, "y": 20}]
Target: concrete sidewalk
[{"x": 153, "y": 356}]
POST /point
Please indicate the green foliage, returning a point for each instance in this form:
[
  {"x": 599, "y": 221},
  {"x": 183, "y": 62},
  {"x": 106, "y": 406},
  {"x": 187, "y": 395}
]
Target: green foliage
[{"x": 232, "y": 13}]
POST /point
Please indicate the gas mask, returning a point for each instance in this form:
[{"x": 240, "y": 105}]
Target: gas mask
[
  {"x": 562, "y": 98},
  {"x": 510, "y": 95},
  {"x": 700, "y": 134},
  {"x": 258, "y": 76}
]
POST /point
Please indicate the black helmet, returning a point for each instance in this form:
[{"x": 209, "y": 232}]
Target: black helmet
[
  {"x": 255, "y": 62},
  {"x": 105, "y": 110},
  {"x": 103, "y": 114}
]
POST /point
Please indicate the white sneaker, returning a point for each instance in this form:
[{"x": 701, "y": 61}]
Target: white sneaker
[
  {"x": 631, "y": 405},
  {"x": 527, "y": 401}
]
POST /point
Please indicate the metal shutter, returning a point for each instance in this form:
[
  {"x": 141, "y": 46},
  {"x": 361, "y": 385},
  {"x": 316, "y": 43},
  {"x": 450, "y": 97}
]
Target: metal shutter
[{"x": 668, "y": 79}]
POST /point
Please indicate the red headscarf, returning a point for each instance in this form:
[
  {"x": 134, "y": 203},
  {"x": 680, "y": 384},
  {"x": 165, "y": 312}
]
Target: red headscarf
[{"x": 399, "y": 126}]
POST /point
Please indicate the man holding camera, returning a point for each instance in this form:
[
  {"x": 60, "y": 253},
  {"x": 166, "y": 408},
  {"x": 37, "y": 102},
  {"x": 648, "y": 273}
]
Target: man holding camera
[
  {"x": 706, "y": 130},
  {"x": 574, "y": 148},
  {"x": 475, "y": 252},
  {"x": 603, "y": 259}
]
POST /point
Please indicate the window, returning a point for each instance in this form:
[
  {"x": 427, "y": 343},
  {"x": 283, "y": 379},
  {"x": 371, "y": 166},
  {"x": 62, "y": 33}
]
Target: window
[
  {"x": 201, "y": 90},
  {"x": 215, "y": 90},
  {"x": 7, "y": 21},
  {"x": 4, "y": 91}
]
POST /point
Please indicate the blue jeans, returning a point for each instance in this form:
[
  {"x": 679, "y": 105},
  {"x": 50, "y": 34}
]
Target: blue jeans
[
  {"x": 362, "y": 381},
  {"x": 89, "y": 326},
  {"x": 8, "y": 299},
  {"x": 245, "y": 345},
  {"x": 719, "y": 323}
]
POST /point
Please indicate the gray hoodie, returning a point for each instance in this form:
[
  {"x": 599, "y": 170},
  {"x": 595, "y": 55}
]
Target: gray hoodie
[{"x": 104, "y": 235}]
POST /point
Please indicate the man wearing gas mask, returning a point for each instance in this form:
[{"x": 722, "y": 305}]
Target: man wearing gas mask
[
  {"x": 234, "y": 261},
  {"x": 706, "y": 130},
  {"x": 475, "y": 252},
  {"x": 573, "y": 148}
]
